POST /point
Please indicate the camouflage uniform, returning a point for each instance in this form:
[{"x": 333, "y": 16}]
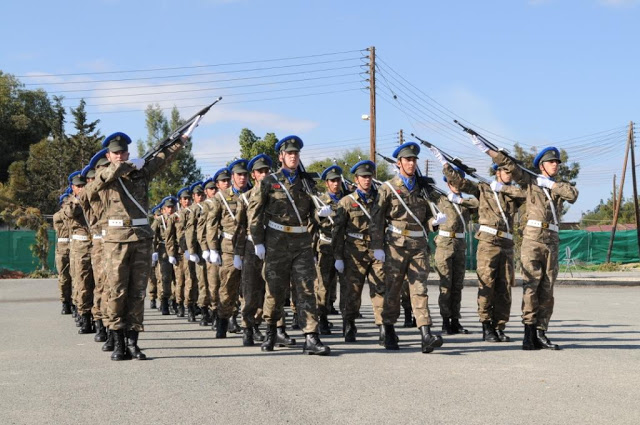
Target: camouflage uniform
[
  {"x": 189, "y": 268},
  {"x": 164, "y": 267},
  {"x": 175, "y": 250},
  {"x": 191, "y": 237},
  {"x": 205, "y": 239},
  {"x": 62, "y": 255},
  {"x": 152, "y": 286}
]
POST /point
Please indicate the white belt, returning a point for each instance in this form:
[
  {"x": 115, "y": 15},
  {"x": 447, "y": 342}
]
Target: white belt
[
  {"x": 97, "y": 236},
  {"x": 357, "y": 235},
  {"x": 80, "y": 238},
  {"x": 542, "y": 225},
  {"x": 495, "y": 232},
  {"x": 63, "y": 239},
  {"x": 451, "y": 234},
  {"x": 324, "y": 238},
  {"x": 250, "y": 238},
  {"x": 227, "y": 235},
  {"x": 127, "y": 223},
  {"x": 287, "y": 229},
  {"x": 412, "y": 233}
]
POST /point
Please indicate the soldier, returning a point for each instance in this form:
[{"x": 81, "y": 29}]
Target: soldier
[
  {"x": 325, "y": 268},
  {"x": 450, "y": 258},
  {"x": 399, "y": 239},
  {"x": 152, "y": 286},
  {"x": 176, "y": 247},
  {"x": 539, "y": 250},
  {"x": 127, "y": 238},
  {"x": 224, "y": 223},
  {"x": 81, "y": 254},
  {"x": 280, "y": 212},
  {"x": 499, "y": 201},
  {"x": 167, "y": 205},
  {"x": 196, "y": 252},
  {"x": 350, "y": 243},
  {"x": 190, "y": 278},
  {"x": 62, "y": 255}
]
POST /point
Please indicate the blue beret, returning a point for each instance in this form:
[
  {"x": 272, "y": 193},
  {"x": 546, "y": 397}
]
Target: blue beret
[
  {"x": 168, "y": 201},
  {"x": 84, "y": 171},
  {"x": 116, "y": 142},
  {"x": 289, "y": 144},
  {"x": 68, "y": 190},
  {"x": 408, "y": 149},
  {"x": 494, "y": 167},
  {"x": 61, "y": 198},
  {"x": 93, "y": 163},
  {"x": 72, "y": 175},
  {"x": 186, "y": 191},
  {"x": 222, "y": 174},
  {"x": 462, "y": 173},
  {"x": 260, "y": 161},
  {"x": 332, "y": 172},
  {"x": 238, "y": 166},
  {"x": 547, "y": 154},
  {"x": 363, "y": 168},
  {"x": 154, "y": 209},
  {"x": 196, "y": 187}
]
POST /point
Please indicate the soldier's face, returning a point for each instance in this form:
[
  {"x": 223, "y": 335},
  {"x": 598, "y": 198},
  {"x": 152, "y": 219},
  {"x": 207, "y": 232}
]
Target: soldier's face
[
  {"x": 550, "y": 168},
  {"x": 223, "y": 184},
  {"x": 210, "y": 192},
  {"x": 90, "y": 179},
  {"x": 119, "y": 156},
  {"x": 364, "y": 182},
  {"x": 333, "y": 185},
  {"x": 290, "y": 160},
  {"x": 240, "y": 180},
  {"x": 185, "y": 202},
  {"x": 77, "y": 190},
  {"x": 504, "y": 176},
  {"x": 408, "y": 166},
  {"x": 168, "y": 210},
  {"x": 198, "y": 197},
  {"x": 260, "y": 174}
]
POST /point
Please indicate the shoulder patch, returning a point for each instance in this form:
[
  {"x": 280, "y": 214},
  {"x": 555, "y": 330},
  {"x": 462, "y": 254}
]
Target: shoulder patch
[
  {"x": 276, "y": 186},
  {"x": 354, "y": 205}
]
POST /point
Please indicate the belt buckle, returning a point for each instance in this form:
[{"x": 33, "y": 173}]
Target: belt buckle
[
  {"x": 287, "y": 229},
  {"x": 404, "y": 232},
  {"x": 544, "y": 225},
  {"x": 126, "y": 222}
]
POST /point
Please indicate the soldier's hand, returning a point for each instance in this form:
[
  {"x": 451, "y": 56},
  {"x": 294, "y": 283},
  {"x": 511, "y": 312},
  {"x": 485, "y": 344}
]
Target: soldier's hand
[
  {"x": 260, "y": 251},
  {"x": 205, "y": 255},
  {"x": 325, "y": 211},
  {"x": 478, "y": 144},
  {"x": 379, "y": 255},
  {"x": 496, "y": 186},
  {"x": 454, "y": 198},
  {"x": 439, "y": 219},
  {"x": 137, "y": 163},
  {"x": 173, "y": 260},
  {"x": 339, "y": 265},
  {"x": 543, "y": 181},
  {"x": 237, "y": 262},
  {"x": 194, "y": 258},
  {"x": 154, "y": 258},
  {"x": 215, "y": 258}
]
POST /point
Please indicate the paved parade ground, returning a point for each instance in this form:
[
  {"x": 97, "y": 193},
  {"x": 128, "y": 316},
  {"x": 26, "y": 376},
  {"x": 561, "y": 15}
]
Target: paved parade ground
[{"x": 51, "y": 375}]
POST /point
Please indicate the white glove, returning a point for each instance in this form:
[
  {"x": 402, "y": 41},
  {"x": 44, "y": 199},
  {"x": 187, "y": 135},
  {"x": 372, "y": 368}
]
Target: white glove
[
  {"x": 478, "y": 144},
  {"x": 186, "y": 255},
  {"x": 194, "y": 258},
  {"x": 378, "y": 254},
  {"x": 137, "y": 163},
  {"x": 543, "y": 181},
  {"x": 215, "y": 258},
  {"x": 154, "y": 258},
  {"x": 205, "y": 255},
  {"x": 237, "y": 262},
  {"x": 438, "y": 156},
  {"x": 496, "y": 186},
  {"x": 325, "y": 211},
  {"x": 439, "y": 219},
  {"x": 339, "y": 265},
  {"x": 173, "y": 260},
  {"x": 259, "y": 250},
  {"x": 456, "y": 199}
]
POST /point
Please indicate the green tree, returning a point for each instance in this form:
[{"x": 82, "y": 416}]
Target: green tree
[
  {"x": 86, "y": 141},
  {"x": 251, "y": 145},
  {"x": 603, "y": 213}
]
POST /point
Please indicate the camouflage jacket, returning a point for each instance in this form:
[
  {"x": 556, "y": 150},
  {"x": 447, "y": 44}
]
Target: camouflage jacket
[
  {"x": 118, "y": 206},
  {"x": 538, "y": 206},
  {"x": 323, "y": 228},
  {"x": 242, "y": 230},
  {"x": 91, "y": 204},
  {"x": 223, "y": 221},
  {"x": 62, "y": 231},
  {"x": 458, "y": 217},
  {"x": 351, "y": 219},
  {"x": 181, "y": 226},
  {"x": 389, "y": 211},
  {"x": 510, "y": 199},
  {"x": 76, "y": 220},
  {"x": 201, "y": 226},
  {"x": 191, "y": 229},
  {"x": 171, "y": 236},
  {"x": 157, "y": 233}
]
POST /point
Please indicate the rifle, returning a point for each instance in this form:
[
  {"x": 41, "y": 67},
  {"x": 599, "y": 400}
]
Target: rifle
[
  {"x": 184, "y": 129},
  {"x": 452, "y": 160},
  {"x": 493, "y": 147}
]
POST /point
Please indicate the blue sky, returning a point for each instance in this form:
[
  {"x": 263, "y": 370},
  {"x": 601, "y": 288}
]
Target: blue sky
[{"x": 537, "y": 72}]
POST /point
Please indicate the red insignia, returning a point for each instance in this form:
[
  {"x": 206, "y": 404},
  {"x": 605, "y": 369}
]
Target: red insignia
[
  {"x": 354, "y": 205},
  {"x": 399, "y": 191},
  {"x": 277, "y": 186}
]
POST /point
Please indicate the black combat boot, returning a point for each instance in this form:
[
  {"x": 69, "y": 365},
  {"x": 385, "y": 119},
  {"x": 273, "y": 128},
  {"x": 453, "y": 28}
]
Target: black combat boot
[
  {"x": 197, "y": 310},
  {"x": 221, "y": 330},
  {"x": 86, "y": 326},
  {"x": 457, "y": 327},
  {"x": 191, "y": 315},
  {"x": 501, "y": 335},
  {"x": 283, "y": 339},
  {"x": 206, "y": 316},
  {"x": 234, "y": 328},
  {"x": 180, "y": 310},
  {"x": 323, "y": 325},
  {"x": 408, "y": 322},
  {"x": 489, "y": 333},
  {"x": 164, "y": 306},
  {"x": 390, "y": 338},
  {"x": 74, "y": 311},
  {"x": 153, "y": 305},
  {"x": 544, "y": 342},
  {"x": 270, "y": 340},
  {"x": 78, "y": 319},
  {"x": 214, "y": 319},
  {"x": 313, "y": 345},
  {"x": 429, "y": 341},
  {"x": 381, "y": 337},
  {"x": 350, "y": 331},
  {"x": 257, "y": 335},
  {"x": 66, "y": 307},
  {"x": 247, "y": 337},
  {"x": 446, "y": 326},
  {"x": 174, "y": 307},
  {"x": 333, "y": 310},
  {"x": 294, "y": 321},
  {"x": 120, "y": 348},
  {"x": 109, "y": 344},
  {"x": 530, "y": 341},
  {"x": 101, "y": 332},
  {"x": 133, "y": 345}
]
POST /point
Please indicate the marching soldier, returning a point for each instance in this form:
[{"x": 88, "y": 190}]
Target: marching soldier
[
  {"x": 350, "y": 242},
  {"x": 176, "y": 250},
  {"x": 196, "y": 252},
  {"x": 280, "y": 212},
  {"x": 450, "y": 258},
  {"x": 190, "y": 278},
  {"x": 167, "y": 205},
  {"x": 152, "y": 286},
  {"x": 62, "y": 254},
  {"x": 399, "y": 238},
  {"x": 539, "y": 251}
]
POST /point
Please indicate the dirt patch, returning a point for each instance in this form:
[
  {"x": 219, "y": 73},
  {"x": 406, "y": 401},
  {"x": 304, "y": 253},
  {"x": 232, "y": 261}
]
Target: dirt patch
[{"x": 11, "y": 274}]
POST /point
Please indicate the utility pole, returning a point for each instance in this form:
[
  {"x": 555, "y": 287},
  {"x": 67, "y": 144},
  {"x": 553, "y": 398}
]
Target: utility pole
[
  {"x": 372, "y": 103},
  {"x": 619, "y": 200},
  {"x": 401, "y": 137},
  {"x": 632, "y": 143},
  {"x": 614, "y": 196}
]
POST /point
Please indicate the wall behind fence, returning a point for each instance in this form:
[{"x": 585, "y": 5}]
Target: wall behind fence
[{"x": 15, "y": 253}]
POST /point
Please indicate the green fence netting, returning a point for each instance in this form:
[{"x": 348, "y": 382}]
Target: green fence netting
[{"x": 15, "y": 253}]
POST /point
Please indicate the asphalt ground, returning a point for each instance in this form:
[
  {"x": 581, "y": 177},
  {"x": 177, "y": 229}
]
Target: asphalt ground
[{"x": 51, "y": 375}]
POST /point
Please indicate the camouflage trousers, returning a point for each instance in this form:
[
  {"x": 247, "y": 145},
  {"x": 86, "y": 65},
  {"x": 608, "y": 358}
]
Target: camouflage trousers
[
  {"x": 327, "y": 278},
  {"x": 204, "y": 296},
  {"x": 230, "y": 279},
  {"x": 540, "y": 270},
  {"x": 64, "y": 273},
  {"x": 127, "y": 273},
  {"x": 450, "y": 264},
  {"x": 359, "y": 265},
  {"x": 152, "y": 285},
  {"x": 98, "y": 277},
  {"x": 213, "y": 282},
  {"x": 180, "y": 275},
  {"x": 289, "y": 260},
  {"x": 413, "y": 265},
  {"x": 83, "y": 275},
  {"x": 164, "y": 274},
  {"x": 496, "y": 276},
  {"x": 190, "y": 282}
]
